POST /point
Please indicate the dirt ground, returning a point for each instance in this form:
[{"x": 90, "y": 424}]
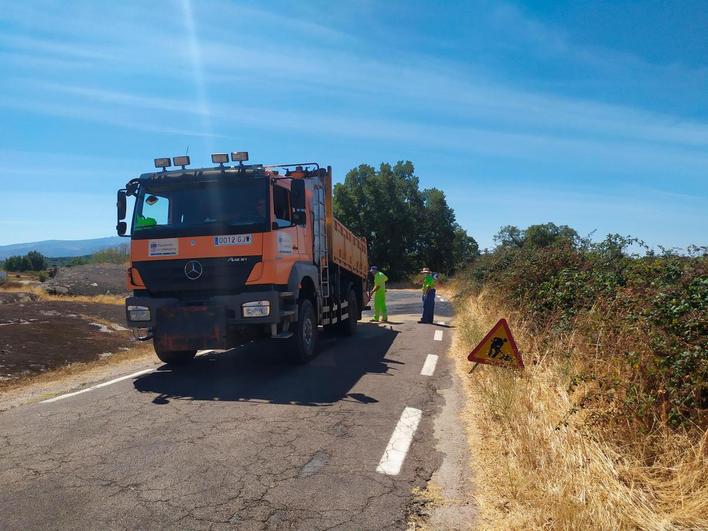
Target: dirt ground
[{"x": 40, "y": 335}]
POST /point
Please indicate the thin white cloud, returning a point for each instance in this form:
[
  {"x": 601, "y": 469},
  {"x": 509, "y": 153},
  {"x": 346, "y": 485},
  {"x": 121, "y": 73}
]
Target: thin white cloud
[
  {"x": 548, "y": 40},
  {"x": 102, "y": 115},
  {"x": 441, "y": 88},
  {"x": 35, "y": 63},
  {"x": 446, "y": 108},
  {"x": 118, "y": 98},
  {"x": 112, "y": 108},
  {"x": 54, "y": 47}
]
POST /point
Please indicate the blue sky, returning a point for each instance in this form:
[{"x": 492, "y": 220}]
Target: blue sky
[{"x": 591, "y": 114}]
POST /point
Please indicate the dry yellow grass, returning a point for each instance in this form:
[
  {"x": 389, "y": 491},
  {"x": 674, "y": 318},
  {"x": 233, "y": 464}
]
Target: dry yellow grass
[
  {"x": 44, "y": 296},
  {"x": 539, "y": 463}
]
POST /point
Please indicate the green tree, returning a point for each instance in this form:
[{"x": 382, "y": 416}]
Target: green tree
[
  {"x": 17, "y": 263},
  {"x": 437, "y": 232},
  {"x": 405, "y": 228},
  {"x": 37, "y": 261},
  {"x": 464, "y": 248},
  {"x": 510, "y": 236},
  {"x": 542, "y": 235},
  {"x": 382, "y": 205},
  {"x": 548, "y": 234},
  {"x": 10, "y": 263}
]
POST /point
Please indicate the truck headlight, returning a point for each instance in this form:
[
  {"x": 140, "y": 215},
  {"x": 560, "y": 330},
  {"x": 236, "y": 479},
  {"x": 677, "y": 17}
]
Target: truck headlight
[
  {"x": 138, "y": 313},
  {"x": 256, "y": 309}
]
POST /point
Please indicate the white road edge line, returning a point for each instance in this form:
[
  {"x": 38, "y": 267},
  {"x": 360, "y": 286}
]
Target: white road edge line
[
  {"x": 429, "y": 366},
  {"x": 397, "y": 448},
  {"x": 438, "y": 335},
  {"x": 104, "y": 384},
  {"x": 97, "y": 386}
]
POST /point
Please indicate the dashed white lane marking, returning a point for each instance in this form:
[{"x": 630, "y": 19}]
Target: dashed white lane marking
[
  {"x": 429, "y": 366},
  {"x": 397, "y": 449},
  {"x": 438, "y": 335},
  {"x": 97, "y": 386}
]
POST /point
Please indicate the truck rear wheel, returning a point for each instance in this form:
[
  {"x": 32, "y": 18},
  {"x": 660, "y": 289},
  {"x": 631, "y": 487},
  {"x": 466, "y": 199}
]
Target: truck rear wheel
[
  {"x": 303, "y": 345},
  {"x": 175, "y": 357},
  {"x": 348, "y": 326}
]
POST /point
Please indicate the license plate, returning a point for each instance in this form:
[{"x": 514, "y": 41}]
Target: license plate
[{"x": 233, "y": 239}]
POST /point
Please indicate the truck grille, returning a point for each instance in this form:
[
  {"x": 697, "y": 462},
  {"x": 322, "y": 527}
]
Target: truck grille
[{"x": 169, "y": 277}]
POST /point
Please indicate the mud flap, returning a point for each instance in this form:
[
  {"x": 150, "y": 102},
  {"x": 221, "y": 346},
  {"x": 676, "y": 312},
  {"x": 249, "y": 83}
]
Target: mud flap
[{"x": 190, "y": 328}]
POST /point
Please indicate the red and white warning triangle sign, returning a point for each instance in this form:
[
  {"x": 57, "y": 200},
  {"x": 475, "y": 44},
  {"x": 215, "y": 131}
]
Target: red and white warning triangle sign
[{"x": 498, "y": 348}]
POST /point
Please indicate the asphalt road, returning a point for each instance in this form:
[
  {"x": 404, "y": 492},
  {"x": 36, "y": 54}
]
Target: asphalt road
[{"x": 238, "y": 439}]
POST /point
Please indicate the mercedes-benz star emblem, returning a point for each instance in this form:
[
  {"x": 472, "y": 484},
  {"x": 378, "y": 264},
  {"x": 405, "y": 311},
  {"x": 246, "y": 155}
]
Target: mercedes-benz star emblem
[{"x": 193, "y": 270}]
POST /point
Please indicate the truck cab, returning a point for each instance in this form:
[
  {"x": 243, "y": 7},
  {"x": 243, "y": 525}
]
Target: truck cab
[{"x": 229, "y": 252}]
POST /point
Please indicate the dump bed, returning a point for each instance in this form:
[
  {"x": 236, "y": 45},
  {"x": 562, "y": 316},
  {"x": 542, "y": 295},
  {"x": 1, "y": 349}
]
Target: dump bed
[
  {"x": 345, "y": 249},
  {"x": 348, "y": 251}
]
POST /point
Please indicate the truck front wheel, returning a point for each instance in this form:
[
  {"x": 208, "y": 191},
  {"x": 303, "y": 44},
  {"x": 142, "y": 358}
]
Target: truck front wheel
[
  {"x": 304, "y": 342},
  {"x": 175, "y": 357}
]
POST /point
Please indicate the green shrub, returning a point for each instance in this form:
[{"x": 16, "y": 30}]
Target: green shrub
[
  {"x": 648, "y": 312},
  {"x": 113, "y": 255},
  {"x": 32, "y": 261}
]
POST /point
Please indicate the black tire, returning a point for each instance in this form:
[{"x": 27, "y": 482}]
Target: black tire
[
  {"x": 175, "y": 357},
  {"x": 304, "y": 342},
  {"x": 348, "y": 326}
]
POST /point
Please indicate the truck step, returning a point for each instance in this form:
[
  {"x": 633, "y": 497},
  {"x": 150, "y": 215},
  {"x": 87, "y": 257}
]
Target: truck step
[
  {"x": 287, "y": 294},
  {"x": 283, "y": 335},
  {"x": 287, "y": 313}
]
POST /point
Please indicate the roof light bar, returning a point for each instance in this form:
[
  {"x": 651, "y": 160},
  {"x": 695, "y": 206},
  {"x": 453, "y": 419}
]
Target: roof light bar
[
  {"x": 181, "y": 161},
  {"x": 163, "y": 162},
  {"x": 220, "y": 158},
  {"x": 239, "y": 156}
]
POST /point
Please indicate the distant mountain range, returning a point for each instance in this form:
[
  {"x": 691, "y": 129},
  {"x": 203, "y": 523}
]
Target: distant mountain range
[{"x": 62, "y": 248}]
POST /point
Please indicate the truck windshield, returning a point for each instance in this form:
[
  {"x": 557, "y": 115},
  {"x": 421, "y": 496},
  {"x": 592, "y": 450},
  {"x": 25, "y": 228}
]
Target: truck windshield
[{"x": 200, "y": 207}]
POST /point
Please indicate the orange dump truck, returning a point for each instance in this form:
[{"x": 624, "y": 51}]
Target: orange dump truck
[{"x": 231, "y": 251}]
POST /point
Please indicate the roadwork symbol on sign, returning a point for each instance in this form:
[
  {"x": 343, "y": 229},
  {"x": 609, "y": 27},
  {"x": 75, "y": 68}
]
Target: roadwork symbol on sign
[{"x": 498, "y": 348}]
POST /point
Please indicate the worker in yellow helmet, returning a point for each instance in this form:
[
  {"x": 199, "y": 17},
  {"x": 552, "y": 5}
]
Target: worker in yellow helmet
[{"x": 379, "y": 293}]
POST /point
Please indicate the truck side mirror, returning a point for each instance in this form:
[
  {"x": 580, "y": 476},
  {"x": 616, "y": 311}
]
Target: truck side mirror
[
  {"x": 122, "y": 208},
  {"x": 297, "y": 194},
  {"x": 121, "y": 204}
]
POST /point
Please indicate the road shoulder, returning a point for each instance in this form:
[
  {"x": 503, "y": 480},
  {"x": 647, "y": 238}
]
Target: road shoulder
[
  {"x": 75, "y": 377},
  {"x": 447, "y": 501}
]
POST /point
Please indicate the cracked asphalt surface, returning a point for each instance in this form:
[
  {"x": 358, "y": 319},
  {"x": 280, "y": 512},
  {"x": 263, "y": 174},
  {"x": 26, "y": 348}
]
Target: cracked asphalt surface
[{"x": 238, "y": 439}]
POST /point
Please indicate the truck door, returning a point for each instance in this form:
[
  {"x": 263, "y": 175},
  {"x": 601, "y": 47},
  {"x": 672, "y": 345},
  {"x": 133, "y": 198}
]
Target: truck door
[{"x": 289, "y": 237}]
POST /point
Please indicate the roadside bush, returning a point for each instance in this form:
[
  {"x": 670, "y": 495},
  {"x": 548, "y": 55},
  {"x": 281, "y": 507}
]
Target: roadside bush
[
  {"x": 17, "y": 263},
  {"x": 113, "y": 255},
  {"x": 32, "y": 261},
  {"x": 643, "y": 317}
]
